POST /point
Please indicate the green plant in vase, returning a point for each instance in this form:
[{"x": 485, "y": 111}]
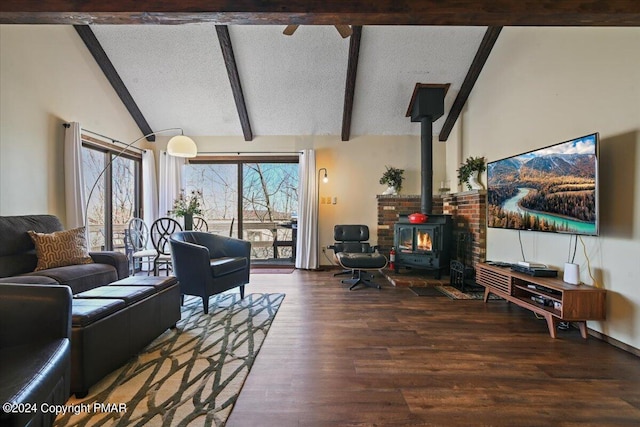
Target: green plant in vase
[
  {"x": 187, "y": 206},
  {"x": 393, "y": 178},
  {"x": 469, "y": 171}
]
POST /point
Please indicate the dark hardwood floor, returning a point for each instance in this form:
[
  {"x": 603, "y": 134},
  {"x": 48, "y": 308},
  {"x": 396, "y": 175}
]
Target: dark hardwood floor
[{"x": 335, "y": 357}]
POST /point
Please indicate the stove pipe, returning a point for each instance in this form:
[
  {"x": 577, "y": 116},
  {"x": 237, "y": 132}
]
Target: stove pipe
[
  {"x": 427, "y": 107},
  {"x": 426, "y": 165}
]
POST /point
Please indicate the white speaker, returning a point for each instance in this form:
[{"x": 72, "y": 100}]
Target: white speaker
[{"x": 572, "y": 273}]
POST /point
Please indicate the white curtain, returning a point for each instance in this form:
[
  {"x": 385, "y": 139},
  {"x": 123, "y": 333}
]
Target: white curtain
[
  {"x": 150, "y": 188},
  {"x": 307, "y": 244},
  {"x": 73, "y": 176},
  {"x": 170, "y": 181}
]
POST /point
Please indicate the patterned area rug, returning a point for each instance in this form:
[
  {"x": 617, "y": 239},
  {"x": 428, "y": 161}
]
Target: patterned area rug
[
  {"x": 191, "y": 375},
  {"x": 427, "y": 291},
  {"x": 451, "y": 292}
]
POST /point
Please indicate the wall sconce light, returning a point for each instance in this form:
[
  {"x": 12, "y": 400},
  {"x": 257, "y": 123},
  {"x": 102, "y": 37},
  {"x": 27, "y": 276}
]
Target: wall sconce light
[{"x": 325, "y": 179}]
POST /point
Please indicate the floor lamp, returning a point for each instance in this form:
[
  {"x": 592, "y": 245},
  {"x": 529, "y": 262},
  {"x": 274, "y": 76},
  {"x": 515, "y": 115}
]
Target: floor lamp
[
  {"x": 325, "y": 179},
  {"x": 178, "y": 146}
]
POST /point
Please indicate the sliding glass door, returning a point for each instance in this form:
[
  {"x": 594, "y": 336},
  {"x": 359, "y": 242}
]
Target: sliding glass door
[
  {"x": 115, "y": 199},
  {"x": 269, "y": 205},
  {"x": 254, "y": 200}
]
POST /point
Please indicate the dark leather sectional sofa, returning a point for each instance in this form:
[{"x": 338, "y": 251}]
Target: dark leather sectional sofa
[
  {"x": 64, "y": 328},
  {"x": 35, "y": 352},
  {"x": 18, "y": 258}
]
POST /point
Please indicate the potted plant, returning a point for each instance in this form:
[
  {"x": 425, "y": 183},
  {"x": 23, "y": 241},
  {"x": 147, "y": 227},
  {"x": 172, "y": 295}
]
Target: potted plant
[
  {"x": 392, "y": 177},
  {"x": 187, "y": 207},
  {"x": 469, "y": 170}
]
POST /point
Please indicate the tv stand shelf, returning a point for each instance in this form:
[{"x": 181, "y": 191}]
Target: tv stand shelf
[{"x": 551, "y": 298}]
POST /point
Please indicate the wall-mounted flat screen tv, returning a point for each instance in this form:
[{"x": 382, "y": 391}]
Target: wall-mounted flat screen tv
[{"x": 552, "y": 189}]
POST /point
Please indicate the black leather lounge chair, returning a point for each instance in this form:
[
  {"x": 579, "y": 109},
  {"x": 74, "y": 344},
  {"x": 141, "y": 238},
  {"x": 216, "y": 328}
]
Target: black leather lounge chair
[{"x": 356, "y": 255}]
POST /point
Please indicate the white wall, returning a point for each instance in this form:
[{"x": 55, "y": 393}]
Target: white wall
[
  {"x": 546, "y": 85},
  {"x": 48, "y": 77}
]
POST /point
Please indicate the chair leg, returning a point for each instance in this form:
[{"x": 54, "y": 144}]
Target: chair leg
[
  {"x": 241, "y": 291},
  {"x": 361, "y": 277},
  {"x": 205, "y": 305},
  {"x": 368, "y": 281},
  {"x": 344, "y": 272},
  {"x": 353, "y": 282}
]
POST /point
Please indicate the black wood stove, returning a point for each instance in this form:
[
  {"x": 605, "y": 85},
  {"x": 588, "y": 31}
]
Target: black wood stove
[{"x": 427, "y": 245}]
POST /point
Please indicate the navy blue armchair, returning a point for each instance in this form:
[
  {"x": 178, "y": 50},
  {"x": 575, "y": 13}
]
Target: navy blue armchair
[{"x": 208, "y": 264}]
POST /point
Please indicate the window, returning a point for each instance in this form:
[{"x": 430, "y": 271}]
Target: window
[
  {"x": 116, "y": 197},
  {"x": 255, "y": 198}
]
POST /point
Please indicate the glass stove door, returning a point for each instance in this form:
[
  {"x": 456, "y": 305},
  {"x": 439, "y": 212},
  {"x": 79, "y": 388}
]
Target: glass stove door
[{"x": 405, "y": 239}]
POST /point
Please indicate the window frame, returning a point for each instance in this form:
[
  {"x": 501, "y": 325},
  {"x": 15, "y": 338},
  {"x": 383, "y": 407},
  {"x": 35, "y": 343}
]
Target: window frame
[
  {"x": 110, "y": 152},
  {"x": 239, "y": 161}
]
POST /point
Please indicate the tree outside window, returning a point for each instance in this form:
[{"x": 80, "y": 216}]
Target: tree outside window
[
  {"x": 115, "y": 199},
  {"x": 268, "y": 192}
]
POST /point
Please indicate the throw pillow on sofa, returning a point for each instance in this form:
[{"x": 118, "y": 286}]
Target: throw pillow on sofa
[{"x": 61, "y": 248}]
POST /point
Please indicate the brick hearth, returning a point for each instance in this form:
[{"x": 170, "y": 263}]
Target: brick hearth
[{"x": 468, "y": 209}]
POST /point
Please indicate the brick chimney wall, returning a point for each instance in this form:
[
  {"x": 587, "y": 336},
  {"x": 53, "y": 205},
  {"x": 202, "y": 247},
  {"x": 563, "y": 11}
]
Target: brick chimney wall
[
  {"x": 468, "y": 209},
  {"x": 469, "y": 212}
]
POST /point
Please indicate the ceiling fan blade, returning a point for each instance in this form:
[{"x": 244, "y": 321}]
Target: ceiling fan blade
[
  {"x": 344, "y": 30},
  {"x": 290, "y": 29}
]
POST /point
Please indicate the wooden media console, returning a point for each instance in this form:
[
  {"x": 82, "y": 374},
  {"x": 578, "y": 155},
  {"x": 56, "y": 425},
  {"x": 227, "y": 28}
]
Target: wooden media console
[{"x": 551, "y": 298}]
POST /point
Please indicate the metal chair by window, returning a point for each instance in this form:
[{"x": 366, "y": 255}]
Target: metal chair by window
[
  {"x": 161, "y": 230},
  {"x": 200, "y": 224},
  {"x": 137, "y": 236},
  {"x": 277, "y": 243},
  {"x": 128, "y": 251}
]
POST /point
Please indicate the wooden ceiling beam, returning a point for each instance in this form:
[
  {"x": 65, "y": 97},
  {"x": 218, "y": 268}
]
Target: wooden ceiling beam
[
  {"x": 94, "y": 46},
  {"x": 234, "y": 79},
  {"x": 486, "y": 45},
  {"x": 350, "y": 86},
  {"x": 327, "y": 12}
]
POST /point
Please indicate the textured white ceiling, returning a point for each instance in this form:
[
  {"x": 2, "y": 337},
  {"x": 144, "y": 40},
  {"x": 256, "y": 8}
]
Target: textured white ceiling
[{"x": 292, "y": 85}]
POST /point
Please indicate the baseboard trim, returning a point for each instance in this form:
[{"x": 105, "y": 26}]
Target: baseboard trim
[{"x": 614, "y": 342}]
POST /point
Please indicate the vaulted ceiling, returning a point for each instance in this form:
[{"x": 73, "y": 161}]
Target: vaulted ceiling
[
  {"x": 292, "y": 85},
  {"x": 217, "y": 79}
]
